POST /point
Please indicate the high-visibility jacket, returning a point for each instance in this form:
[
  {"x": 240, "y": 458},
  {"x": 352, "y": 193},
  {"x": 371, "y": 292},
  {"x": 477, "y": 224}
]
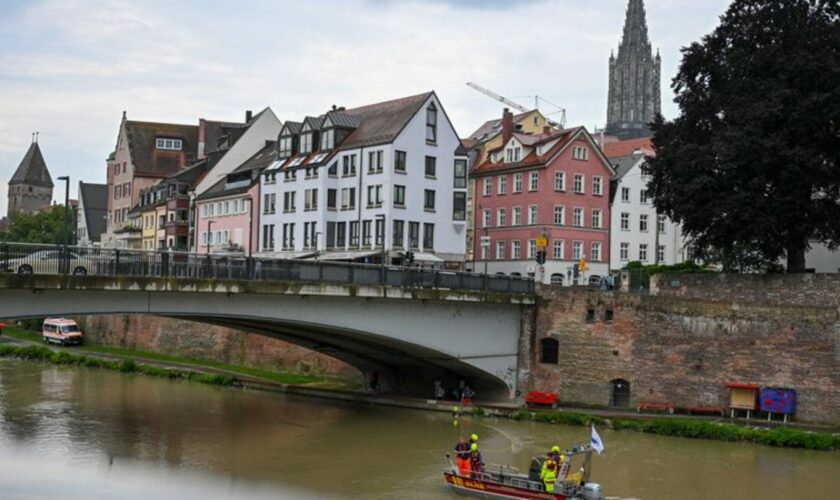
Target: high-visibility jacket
[{"x": 549, "y": 474}]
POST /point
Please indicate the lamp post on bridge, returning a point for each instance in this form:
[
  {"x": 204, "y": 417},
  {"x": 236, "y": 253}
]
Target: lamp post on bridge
[{"x": 64, "y": 260}]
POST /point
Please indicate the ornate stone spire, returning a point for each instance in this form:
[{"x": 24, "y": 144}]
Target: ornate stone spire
[{"x": 634, "y": 95}]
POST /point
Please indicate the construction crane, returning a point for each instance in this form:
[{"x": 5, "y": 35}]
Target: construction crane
[{"x": 521, "y": 108}]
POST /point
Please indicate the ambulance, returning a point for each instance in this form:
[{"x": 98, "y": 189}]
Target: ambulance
[{"x": 61, "y": 331}]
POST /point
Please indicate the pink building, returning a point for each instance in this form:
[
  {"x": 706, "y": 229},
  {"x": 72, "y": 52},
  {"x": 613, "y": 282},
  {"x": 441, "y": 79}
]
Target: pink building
[
  {"x": 225, "y": 221},
  {"x": 553, "y": 187}
]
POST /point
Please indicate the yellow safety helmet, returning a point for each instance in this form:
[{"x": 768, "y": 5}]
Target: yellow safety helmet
[
  {"x": 555, "y": 449},
  {"x": 473, "y": 447},
  {"x": 474, "y": 437},
  {"x": 454, "y": 409},
  {"x": 562, "y": 458}
]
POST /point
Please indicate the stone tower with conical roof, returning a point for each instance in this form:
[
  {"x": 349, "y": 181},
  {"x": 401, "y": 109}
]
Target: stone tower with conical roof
[
  {"x": 634, "y": 96},
  {"x": 31, "y": 188}
]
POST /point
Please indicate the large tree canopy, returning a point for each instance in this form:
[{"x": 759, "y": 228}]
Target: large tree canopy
[
  {"x": 42, "y": 227},
  {"x": 751, "y": 167}
]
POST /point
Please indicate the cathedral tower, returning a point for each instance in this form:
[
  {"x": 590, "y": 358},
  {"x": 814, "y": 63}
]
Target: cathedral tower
[{"x": 634, "y": 96}]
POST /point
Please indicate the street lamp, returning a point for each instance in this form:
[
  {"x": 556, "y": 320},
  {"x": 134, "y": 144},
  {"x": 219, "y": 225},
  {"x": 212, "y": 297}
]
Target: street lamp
[
  {"x": 209, "y": 235},
  {"x": 66, "y": 179}
]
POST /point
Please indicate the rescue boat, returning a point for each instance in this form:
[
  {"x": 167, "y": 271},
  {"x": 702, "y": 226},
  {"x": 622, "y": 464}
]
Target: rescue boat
[{"x": 502, "y": 481}]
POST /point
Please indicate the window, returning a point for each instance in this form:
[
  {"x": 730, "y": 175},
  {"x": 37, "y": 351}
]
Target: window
[
  {"x": 332, "y": 199},
  {"x": 374, "y": 196},
  {"x": 533, "y": 181},
  {"x": 624, "y": 251},
  {"x": 414, "y": 234},
  {"x": 484, "y": 251},
  {"x": 558, "y": 249},
  {"x": 289, "y": 236},
  {"x": 660, "y": 223},
  {"x": 500, "y": 250},
  {"x": 379, "y": 231},
  {"x": 459, "y": 206},
  {"x": 310, "y": 200},
  {"x": 310, "y": 235},
  {"x": 348, "y": 198},
  {"x": 577, "y": 217},
  {"x": 270, "y": 203},
  {"x": 340, "y": 234},
  {"x": 532, "y": 215},
  {"x": 580, "y": 153},
  {"x": 515, "y": 249},
  {"x": 660, "y": 254},
  {"x": 517, "y": 183},
  {"x": 577, "y": 250},
  {"x": 366, "y": 232},
  {"x": 643, "y": 252},
  {"x": 532, "y": 249},
  {"x": 354, "y": 233},
  {"x": 625, "y": 194},
  {"x": 643, "y": 223},
  {"x": 502, "y": 184},
  {"x": 596, "y": 252},
  {"x": 559, "y": 181},
  {"x": 268, "y": 237},
  {"x": 557, "y": 279},
  {"x": 485, "y": 218},
  {"x": 285, "y": 147},
  {"x": 170, "y": 144},
  {"x": 431, "y": 166},
  {"x": 290, "y": 175},
  {"x": 460, "y": 174},
  {"x": 348, "y": 167},
  {"x": 428, "y": 236},
  {"x": 559, "y": 215},
  {"x": 327, "y": 139},
  {"x": 332, "y": 170},
  {"x": 306, "y": 143},
  {"x": 399, "y": 195},
  {"x": 501, "y": 217},
  {"x": 596, "y": 218},
  {"x": 643, "y": 196},
  {"x": 517, "y": 216},
  {"x": 428, "y": 199},
  {"x": 625, "y": 221},
  {"x": 118, "y": 192},
  {"x": 399, "y": 233},
  {"x": 375, "y": 162},
  {"x": 578, "y": 183},
  {"x": 488, "y": 186},
  {"x": 431, "y": 123},
  {"x": 597, "y": 186},
  {"x": 549, "y": 351},
  {"x": 399, "y": 161},
  {"x": 289, "y": 201}
]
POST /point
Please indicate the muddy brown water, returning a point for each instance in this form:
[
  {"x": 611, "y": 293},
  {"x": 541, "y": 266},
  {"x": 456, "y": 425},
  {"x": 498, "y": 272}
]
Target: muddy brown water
[{"x": 83, "y": 433}]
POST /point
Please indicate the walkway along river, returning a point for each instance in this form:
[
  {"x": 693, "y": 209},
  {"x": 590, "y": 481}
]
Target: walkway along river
[{"x": 109, "y": 430}]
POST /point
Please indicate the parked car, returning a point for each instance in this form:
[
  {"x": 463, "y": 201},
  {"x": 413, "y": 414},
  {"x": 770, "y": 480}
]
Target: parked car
[{"x": 49, "y": 262}]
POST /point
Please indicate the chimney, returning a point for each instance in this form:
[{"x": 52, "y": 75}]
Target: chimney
[
  {"x": 546, "y": 129},
  {"x": 202, "y": 135},
  {"x": 248, "y": 115},
  {"x": 507, "y": 125}
]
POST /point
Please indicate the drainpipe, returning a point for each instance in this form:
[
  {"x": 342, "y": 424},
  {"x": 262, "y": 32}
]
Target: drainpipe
[{"x": 359, "y": 193}]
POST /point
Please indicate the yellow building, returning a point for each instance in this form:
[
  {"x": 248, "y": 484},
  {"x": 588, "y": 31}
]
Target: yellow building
[
  {"x": 487, "y": 138},
  {"x": 149, "y": 227}
]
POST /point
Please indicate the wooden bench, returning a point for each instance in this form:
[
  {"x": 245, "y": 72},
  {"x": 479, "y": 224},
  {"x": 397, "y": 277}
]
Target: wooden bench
[
  {"x": 534, "y": 398},
  {"x": 655, "y": 407},
  {"x": 693, "y": 410}
]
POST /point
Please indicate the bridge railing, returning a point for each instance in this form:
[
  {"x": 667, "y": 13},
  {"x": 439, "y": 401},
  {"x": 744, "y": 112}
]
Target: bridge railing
[{"x": 25, "y": 258}]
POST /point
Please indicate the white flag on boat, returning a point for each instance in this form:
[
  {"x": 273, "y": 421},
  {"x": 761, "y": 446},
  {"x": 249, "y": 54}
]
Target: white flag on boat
[{"x": 595, "y": 441}]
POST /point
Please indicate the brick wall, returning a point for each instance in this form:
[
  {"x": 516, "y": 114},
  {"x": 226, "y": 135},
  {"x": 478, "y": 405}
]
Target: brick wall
[{"x": 683, "y": 345}]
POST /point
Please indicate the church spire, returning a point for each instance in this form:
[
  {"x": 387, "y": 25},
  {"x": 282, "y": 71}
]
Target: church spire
[{"x": 635, "y": 37}]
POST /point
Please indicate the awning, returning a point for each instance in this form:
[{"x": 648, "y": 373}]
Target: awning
[
  {"x": 344, "y": 255},
  {"x": 426, "y": 257}
]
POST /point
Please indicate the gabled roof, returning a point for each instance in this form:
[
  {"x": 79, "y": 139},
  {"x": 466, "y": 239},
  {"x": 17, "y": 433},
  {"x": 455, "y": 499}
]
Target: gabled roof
[
  {"x": 220, "y": 136},
  {"x": 291, "y": 128},
  {"x": 94, "y": 200},
  {"x": 261, "y": 159},
  {"x": 192, "y": 174},
  {"x": 492, "y": 127},
  {"x": 32, "y": 169},
  {"x": 314, "y": 123},
  {"x": 380, "y": 123},
  {"x": 623, "y": 164},
  {"x": 341, "y": 119},
  {"x": 625, "y": 148},
  {"x": 148, "y": 161}
]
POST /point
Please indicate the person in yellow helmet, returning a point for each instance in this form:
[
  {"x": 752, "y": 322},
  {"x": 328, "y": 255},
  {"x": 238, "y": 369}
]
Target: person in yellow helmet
[
  {"x": 476, "y": 464},
  {"x": 474, "y": 438},
  {"x": 555, "y": 455},
  {"x": 549, "y": 474}
]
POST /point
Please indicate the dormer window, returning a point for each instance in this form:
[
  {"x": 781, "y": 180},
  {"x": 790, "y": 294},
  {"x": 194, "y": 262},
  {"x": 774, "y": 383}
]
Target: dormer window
[
  {"x": 513, "y": 154},
  {"x": 285, "y": 149},
  {"x": 328, "y": 140},
  {"x": 431, "y": 123},
  {"x": 306, "y": 143},
  {"x": 169, "y": 144}
]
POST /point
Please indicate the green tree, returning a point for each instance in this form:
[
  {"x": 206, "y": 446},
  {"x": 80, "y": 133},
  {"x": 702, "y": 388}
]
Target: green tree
[
  {"x": 750, "y": 167},
  {"x": 42, "y": 227}
]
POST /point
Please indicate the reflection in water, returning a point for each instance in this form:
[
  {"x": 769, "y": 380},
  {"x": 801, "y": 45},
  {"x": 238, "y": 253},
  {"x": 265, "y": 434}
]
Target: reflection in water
[{"x": 114, "y": 431}]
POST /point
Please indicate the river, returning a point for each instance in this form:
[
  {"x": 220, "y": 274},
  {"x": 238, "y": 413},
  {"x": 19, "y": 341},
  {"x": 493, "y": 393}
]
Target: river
[{"x": 83, "y": 433}]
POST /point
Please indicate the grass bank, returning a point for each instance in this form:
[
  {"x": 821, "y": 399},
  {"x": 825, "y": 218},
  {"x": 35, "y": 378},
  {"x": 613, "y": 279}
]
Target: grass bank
[
  {"x": 687, "y": 428},
  {"x": 279, "y": 377},
  {"x": 128, "y": 365}
]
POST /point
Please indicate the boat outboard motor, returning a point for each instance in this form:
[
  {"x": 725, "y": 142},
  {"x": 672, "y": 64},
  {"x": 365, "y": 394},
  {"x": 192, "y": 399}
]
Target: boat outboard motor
[{"x": 591, "y": 491}]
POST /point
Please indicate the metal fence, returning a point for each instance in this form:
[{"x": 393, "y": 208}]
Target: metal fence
[{"x": 23, "y": 258}]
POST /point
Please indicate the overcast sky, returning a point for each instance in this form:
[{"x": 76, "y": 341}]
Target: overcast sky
[{"x": 68, "y": 68}]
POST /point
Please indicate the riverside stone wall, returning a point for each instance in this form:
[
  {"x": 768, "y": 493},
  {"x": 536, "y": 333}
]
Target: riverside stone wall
[
  {"x": 692, "y": 335},
  {"x": 198, "y": 340}
]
